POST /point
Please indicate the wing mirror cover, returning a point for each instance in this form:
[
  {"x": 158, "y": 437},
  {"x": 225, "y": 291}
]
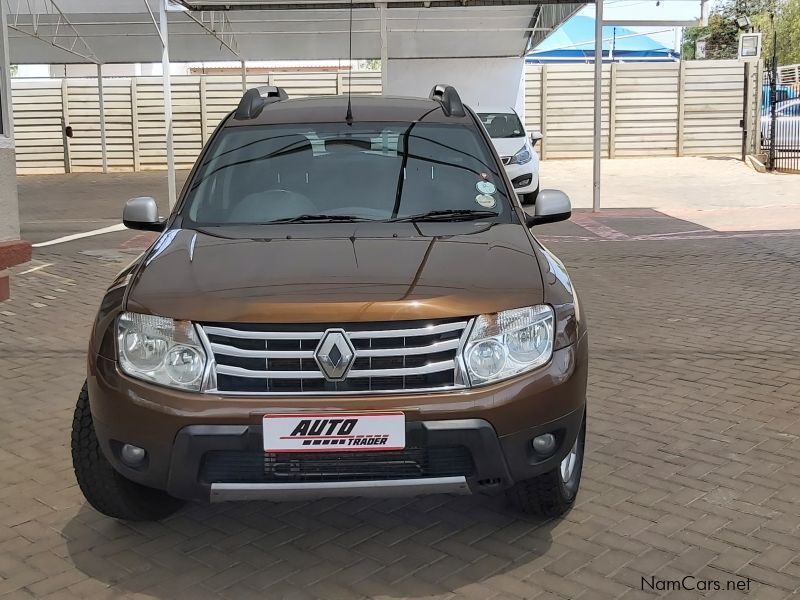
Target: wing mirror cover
[
  {"x": 551, "y": 206},
  {"x": 142, "y": 213}
]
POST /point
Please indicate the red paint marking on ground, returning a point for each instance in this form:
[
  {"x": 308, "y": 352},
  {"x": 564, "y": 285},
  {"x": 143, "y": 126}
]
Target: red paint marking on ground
[
  {"x": 142, "y": 240},
  {"x": 671, "y": 233},
  {"x": 613, "y": 213},
  {"x": 660, "y": 237},
  {"x": 600, "y": 230}
]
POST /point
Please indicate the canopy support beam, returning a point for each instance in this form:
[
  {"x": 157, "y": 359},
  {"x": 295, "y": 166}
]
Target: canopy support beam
[
  {"x": 382, "y": 8},
  {"x": 598, "y": 103},
  {"x": 77, "y": 47},
  {"x": 230, "y": 43},
  {"x": 103, "y": 140},
  {"x": 537, "y": 13},
  {"x": 163, "y": 32},
  {"x": 6, "y": 107}
]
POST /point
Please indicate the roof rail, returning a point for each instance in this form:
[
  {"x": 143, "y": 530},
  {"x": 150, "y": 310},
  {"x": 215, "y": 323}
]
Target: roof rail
[
  {"x": 255, "y": 99},
  {"x": 448, "y": 97}
]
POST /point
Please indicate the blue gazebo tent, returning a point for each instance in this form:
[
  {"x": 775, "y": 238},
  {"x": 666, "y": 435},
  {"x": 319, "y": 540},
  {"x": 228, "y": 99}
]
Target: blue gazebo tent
[{"x": 574, "y": 42}]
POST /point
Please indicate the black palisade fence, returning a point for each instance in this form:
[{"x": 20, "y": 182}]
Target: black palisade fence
[{"x": 780, "y": 121}]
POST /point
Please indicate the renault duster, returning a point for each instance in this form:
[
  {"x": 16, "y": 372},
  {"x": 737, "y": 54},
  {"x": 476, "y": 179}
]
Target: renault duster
[{"x": 346, "y": 300}]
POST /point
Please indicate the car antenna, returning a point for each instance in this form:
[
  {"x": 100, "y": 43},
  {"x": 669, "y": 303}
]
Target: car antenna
[{"x": 349, "y": 117}]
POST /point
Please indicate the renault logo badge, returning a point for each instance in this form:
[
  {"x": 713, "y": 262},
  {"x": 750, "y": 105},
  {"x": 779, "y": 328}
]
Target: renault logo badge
[{"x": 335, "y": 355}]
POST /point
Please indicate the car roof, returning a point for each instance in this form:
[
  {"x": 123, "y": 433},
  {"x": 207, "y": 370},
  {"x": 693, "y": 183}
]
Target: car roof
[
  {"x": 494, "y": 109},
  {"x": 330, "y": 109}
]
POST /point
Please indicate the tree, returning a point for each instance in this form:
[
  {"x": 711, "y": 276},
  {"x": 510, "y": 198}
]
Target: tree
[
  {"x": 789, "y": 33},
  {"x": 690, "y": 37},
  {"x": 722, "y": 34},
  {"x": 786, "y": 23}
]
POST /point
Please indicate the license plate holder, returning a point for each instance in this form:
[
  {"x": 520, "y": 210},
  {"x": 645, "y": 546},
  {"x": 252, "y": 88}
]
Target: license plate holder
[{"x": 334, "y": 432}]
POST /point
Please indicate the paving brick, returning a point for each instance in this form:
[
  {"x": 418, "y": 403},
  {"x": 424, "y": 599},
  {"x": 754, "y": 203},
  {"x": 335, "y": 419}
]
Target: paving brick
[{"x": 694, "y": 447}]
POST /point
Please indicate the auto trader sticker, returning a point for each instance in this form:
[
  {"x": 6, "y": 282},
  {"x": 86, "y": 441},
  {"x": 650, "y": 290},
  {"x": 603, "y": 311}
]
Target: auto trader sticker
[
  {"x": 334, "y": 432},
  {"x": 485, "y": 187},
  {"x": 485, "y": 201}
]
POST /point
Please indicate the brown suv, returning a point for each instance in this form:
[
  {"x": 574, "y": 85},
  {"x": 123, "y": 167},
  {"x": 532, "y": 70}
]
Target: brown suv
[{"x": 346, "y": 300}]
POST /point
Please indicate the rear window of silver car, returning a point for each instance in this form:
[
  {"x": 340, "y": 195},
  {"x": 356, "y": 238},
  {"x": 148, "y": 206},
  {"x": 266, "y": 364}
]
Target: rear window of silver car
[{"x": 502, "y": 125}]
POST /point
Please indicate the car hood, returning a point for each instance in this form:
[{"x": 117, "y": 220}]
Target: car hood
[
  {"x": 508, "y": 146},
  {"x": 361, "y": 272}
]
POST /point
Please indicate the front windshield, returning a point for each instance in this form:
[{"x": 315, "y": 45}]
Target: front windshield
[
  {"x": 502, "y": 125},
  {"x": 364, "y": 171}
]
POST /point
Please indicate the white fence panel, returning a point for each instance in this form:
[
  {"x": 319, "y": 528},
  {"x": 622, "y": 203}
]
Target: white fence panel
[
  {"x": 38, "y": 129},
  {"x": 649, "y": 109},
  {"x": 714, "y": 96}
]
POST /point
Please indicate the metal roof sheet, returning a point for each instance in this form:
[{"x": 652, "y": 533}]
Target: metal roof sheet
[{"x": 122, "y": 31}]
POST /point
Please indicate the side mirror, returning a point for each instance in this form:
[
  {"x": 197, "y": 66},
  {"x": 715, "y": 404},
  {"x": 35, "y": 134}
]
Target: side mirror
[
  {"x": 551, "y": 206},
  {"x": 535, "y": 136},
  {"x": 142, "y": 213}
]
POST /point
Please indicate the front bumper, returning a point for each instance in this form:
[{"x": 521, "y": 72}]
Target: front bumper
[
  {"x": 493, "y": 425},
  {"x": 486, "y": 464},
  {"x": 528, "y": 171}
]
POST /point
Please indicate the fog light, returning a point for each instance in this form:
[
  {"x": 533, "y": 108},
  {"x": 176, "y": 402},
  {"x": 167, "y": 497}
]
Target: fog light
[
  {"x": 133, "y": 456},
  {"x": 544, "y": 444},
  {"x": 521, "y": 181}
]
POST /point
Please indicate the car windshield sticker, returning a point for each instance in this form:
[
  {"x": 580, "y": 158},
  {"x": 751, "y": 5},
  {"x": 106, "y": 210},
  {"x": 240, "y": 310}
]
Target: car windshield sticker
[
  {"x": 485, "y": 187},
  {"x": 485, "y": 201}
]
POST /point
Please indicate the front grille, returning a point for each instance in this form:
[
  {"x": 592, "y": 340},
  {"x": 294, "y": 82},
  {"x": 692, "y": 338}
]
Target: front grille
[
  {"x": 506, "y": 159},
  {"x": 393, "y": 356},
  {"x": 410, "y": 463}
]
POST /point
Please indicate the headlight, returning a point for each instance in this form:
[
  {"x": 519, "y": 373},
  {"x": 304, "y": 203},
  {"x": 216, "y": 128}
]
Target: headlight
[
  {"x": 508, "y": 343},
  {"x": 523, "y": 156},
  {"x": 160, "y": 350}
]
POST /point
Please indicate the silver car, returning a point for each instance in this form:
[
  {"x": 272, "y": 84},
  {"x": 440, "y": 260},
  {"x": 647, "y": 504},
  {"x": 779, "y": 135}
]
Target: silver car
[{"x": 787, "y": 125}]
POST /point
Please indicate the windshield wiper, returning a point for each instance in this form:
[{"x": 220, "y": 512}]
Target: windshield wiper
[
  {"x": 326, "y": 218},
  {"x": 449, "y": 215}
]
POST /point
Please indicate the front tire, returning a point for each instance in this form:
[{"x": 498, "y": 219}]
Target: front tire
[
  {"x": 105, "y": 489},
  {"x": 553, "y": 493}
]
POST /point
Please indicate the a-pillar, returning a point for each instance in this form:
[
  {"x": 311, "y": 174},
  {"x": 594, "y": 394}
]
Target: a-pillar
[{"x": 13, "y": 251}]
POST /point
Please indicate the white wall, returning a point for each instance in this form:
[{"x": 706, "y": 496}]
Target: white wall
[{"x": 479, "y": 81}]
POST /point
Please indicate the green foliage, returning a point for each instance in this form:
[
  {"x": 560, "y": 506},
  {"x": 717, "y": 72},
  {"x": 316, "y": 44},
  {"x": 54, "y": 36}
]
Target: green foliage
[
  {"x": 373, "y": 64},
  {"x": 722, "y": 34},
  {"x": 787, "y": 26},
  {"x": 690, "y": 37},
  {"x": 723, "y": 39}
]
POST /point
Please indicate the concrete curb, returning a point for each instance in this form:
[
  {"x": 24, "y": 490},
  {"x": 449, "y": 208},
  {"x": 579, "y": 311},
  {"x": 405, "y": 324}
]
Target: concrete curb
[{"x": 755, "y": 163}]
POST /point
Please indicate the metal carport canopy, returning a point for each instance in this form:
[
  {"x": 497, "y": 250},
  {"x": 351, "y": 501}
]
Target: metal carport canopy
[{"x": 122, "y": 31}]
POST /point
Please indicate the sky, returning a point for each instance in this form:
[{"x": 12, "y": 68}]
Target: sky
[
  {"x": 578, "y": 34},
  {"x": 663, "y": 10}
]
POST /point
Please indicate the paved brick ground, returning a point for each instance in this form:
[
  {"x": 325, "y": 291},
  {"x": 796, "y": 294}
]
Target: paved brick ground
[{"x": 693, "y": 464}]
